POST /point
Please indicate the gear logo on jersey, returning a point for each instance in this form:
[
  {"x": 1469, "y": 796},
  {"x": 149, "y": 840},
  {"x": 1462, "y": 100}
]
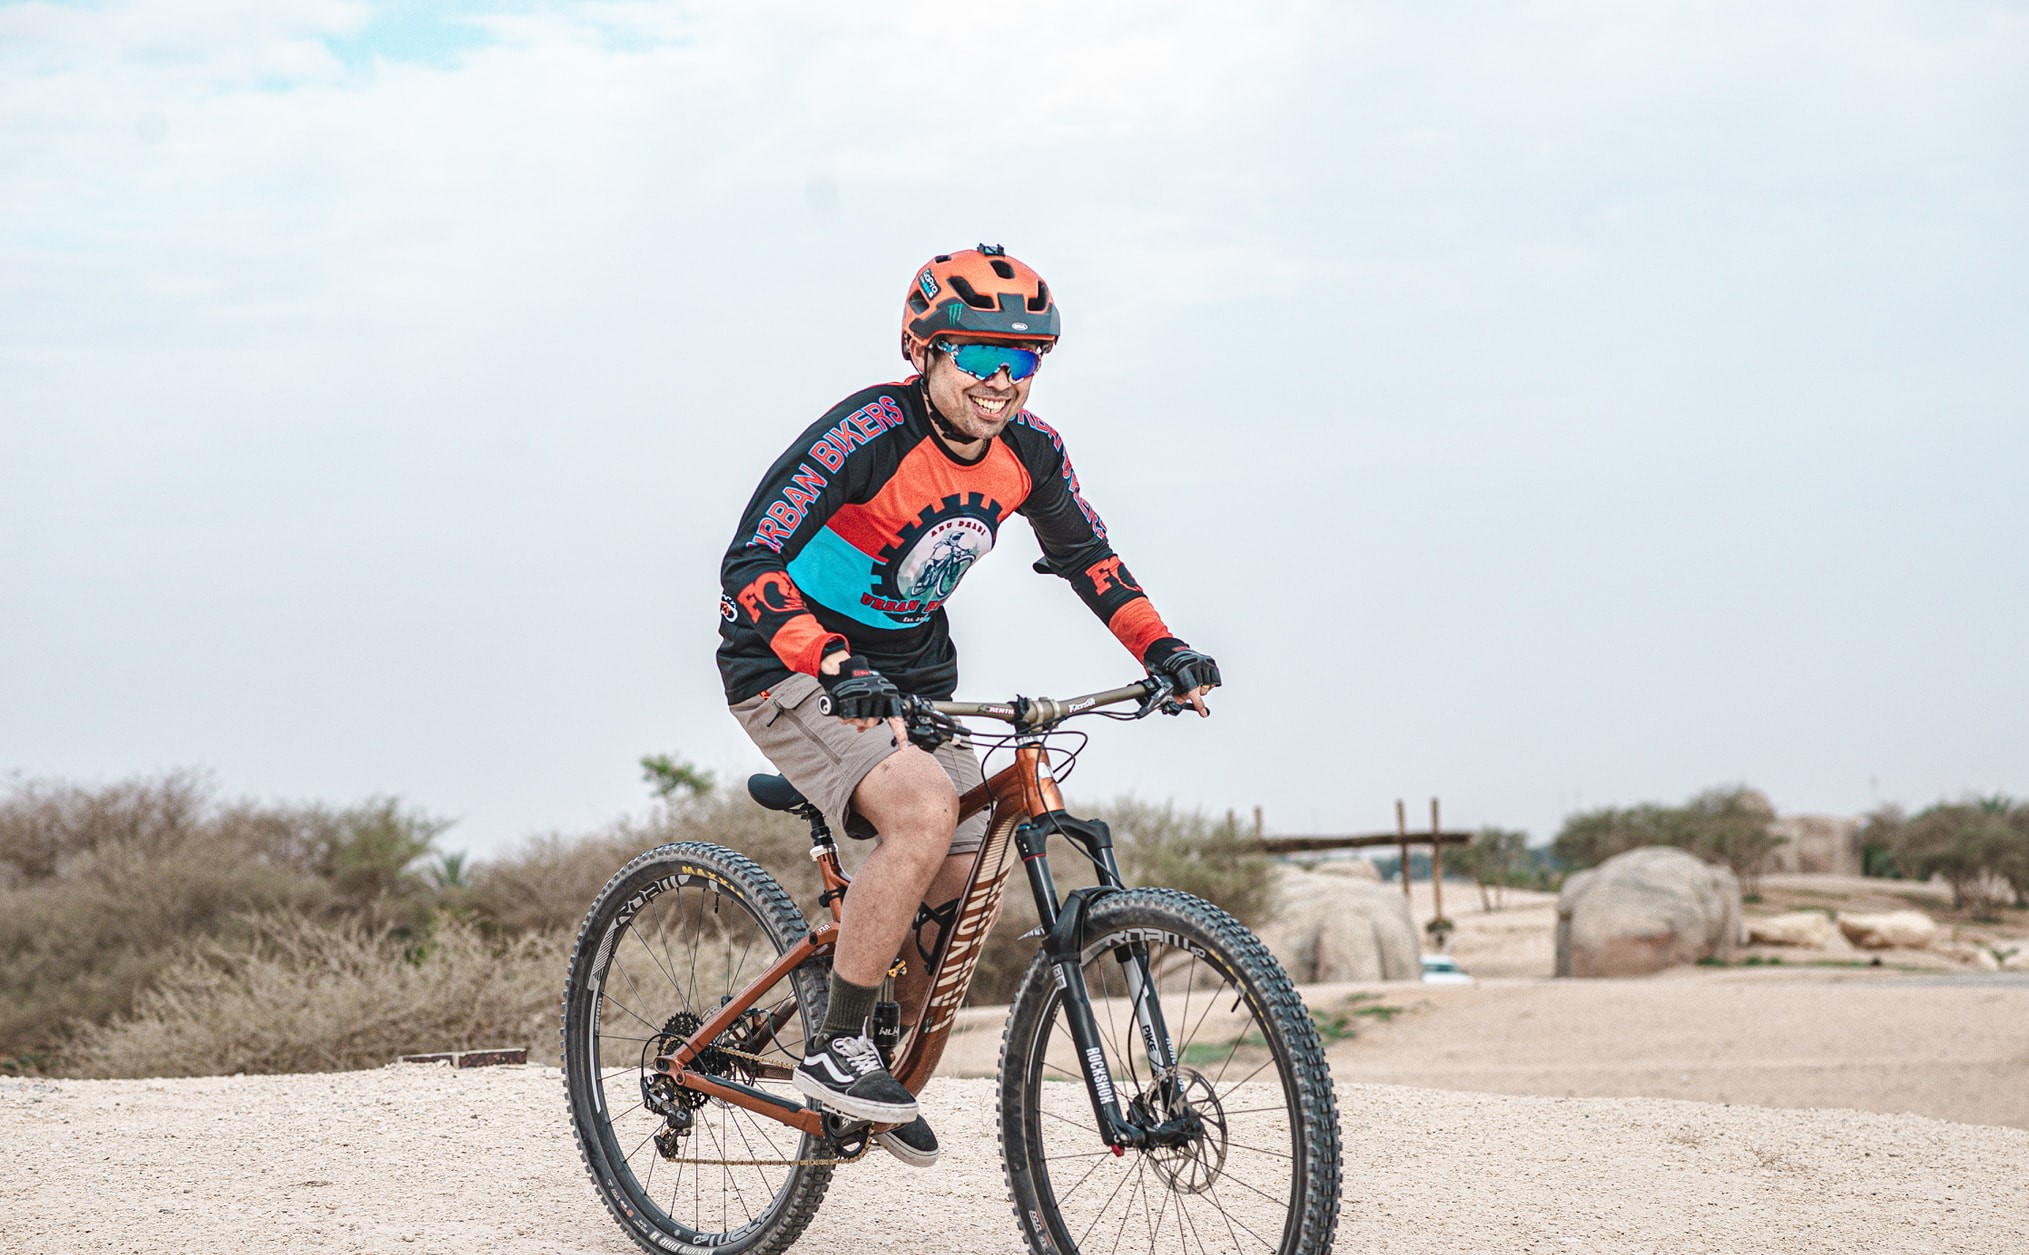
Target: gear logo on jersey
[{"x": 920, "y": 571}]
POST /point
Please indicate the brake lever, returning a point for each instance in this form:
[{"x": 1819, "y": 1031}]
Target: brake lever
[
  {"x": 929, "y": 727},
  {"x": 1161, "y": 696}
]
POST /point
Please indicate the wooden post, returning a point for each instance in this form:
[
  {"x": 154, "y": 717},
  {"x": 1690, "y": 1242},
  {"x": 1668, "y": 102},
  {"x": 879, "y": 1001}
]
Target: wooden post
[
  {"x": 1436, "y": 863},
  {"x": 1402, "y": 831},
  {"x": 1257, "y": 823}
]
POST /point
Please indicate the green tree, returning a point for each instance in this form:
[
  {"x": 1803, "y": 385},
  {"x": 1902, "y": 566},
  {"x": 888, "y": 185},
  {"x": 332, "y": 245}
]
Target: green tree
[
  {"x": 1979, "y": 847},
  {"x": 674, "y": 779},
  {"x": 1727, "y": 825},
  {"x": 1494, "y": 860}
]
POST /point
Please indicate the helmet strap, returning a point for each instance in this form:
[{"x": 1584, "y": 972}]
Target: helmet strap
[{"x": 952, "y": 436}]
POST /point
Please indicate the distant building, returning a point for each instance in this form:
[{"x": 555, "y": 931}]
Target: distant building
[{"x": 1827, "y": 844}]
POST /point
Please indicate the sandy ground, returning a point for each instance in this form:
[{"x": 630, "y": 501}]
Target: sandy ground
[
  {"x": 429, "y": 1159},
  {"x": 1836, "y": 1110}
]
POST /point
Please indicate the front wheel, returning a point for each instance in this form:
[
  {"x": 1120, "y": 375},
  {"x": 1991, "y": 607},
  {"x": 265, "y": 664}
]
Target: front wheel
[{"x": 1261, "y": 1171}]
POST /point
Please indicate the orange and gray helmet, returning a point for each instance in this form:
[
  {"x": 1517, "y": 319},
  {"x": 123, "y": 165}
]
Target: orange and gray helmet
[{"x": 980, "y": 294}]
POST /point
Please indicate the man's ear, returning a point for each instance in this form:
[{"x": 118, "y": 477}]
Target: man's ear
[{"x": 919, "y": 357}]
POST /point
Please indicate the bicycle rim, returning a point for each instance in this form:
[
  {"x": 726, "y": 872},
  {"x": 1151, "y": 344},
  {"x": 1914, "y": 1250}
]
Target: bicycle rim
[
  {"x": 1248, "y": 1062},
  {"x": 671, "y": 938}
]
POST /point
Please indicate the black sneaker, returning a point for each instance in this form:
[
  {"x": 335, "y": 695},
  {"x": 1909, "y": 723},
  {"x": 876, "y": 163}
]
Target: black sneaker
[
  {"x": 845, "y": 1074},
  {"x": 912, "y": 1143}
]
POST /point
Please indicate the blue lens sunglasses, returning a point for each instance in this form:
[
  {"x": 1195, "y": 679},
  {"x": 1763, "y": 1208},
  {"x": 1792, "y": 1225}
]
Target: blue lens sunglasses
[{"x": 984, "y": 361}]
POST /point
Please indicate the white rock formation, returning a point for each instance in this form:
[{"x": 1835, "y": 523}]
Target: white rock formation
[
  {"x": 1644, "y": 911},
  {"x": 1336, "y": 926},
  {"x": 1812, "y": 930},
  {"x": 1906, "y": 930}
]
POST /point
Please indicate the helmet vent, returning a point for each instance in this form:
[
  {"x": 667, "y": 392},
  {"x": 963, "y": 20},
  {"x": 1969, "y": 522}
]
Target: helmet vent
[
  {"x": 967, "y": 293},
  {"x": 1002, "y": 269},
  {"x": 917, "y": 301},
  {"x": 943, "y": 257},
  {"x": 1041, "y": 300}
]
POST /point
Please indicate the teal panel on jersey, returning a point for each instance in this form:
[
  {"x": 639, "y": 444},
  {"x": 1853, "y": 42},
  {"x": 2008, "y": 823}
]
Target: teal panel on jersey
[{"x": 836, "y": 576}]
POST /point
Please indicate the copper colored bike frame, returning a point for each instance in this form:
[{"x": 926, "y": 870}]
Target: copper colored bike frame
[{"x": 1014, "y": 794}]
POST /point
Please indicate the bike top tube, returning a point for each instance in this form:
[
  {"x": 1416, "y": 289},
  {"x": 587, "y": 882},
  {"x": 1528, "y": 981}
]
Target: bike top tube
[{"x": 1039, "y": 711}]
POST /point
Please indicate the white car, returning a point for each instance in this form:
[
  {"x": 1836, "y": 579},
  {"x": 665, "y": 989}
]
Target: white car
[{"x": 1442, "y": 969}]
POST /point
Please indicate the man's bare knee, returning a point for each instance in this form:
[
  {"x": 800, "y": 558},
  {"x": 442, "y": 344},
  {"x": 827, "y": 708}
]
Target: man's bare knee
[{"x": 908, "y": 797}]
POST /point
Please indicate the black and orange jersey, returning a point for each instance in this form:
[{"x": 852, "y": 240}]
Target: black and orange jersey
[{"x": 859, "y": 534}]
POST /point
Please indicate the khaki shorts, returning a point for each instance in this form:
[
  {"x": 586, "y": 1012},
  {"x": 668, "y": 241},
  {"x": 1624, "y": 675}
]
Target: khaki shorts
[{"x": 826, "y": 758}]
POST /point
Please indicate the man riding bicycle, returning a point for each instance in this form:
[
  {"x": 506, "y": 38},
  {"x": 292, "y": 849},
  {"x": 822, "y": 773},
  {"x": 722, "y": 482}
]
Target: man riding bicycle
[{"x": 835, "y": 586}]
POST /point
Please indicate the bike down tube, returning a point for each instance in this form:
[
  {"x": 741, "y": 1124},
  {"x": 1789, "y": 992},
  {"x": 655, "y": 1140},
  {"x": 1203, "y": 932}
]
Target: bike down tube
[{"x": 1012, "y": 794}]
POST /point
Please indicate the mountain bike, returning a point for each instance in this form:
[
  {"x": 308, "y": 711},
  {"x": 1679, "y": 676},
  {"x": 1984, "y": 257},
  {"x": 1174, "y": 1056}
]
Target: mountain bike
[{"x": 1160, "y": 1080}]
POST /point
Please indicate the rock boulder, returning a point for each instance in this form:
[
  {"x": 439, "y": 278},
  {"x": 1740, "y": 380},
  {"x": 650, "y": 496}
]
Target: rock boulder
[
  {"x": 1644, "y": 911},
  {"x": 1905, "y": 930},
  {"x": 1813, "y": 930},
  {"x": 1334, "y": 926}
]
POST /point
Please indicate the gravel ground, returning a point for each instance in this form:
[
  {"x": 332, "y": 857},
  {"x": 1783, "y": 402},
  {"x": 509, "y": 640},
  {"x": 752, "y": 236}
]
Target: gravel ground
[{"x": 430, "y": 1159}]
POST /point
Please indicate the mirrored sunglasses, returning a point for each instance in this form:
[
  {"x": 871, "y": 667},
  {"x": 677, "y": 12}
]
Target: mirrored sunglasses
[{"x": 983, "y": 361}]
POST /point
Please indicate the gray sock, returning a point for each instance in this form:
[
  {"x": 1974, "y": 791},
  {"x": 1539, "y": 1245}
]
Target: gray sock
[{"x": 850, "y": 1006}]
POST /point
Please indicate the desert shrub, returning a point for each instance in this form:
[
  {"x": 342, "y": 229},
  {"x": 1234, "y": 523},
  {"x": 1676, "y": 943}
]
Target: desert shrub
[
  {"x": 1980, "y": 847},
  {"x": 549, "y": 881},
  {"x": 1496, "y": 860},
  {"x": 300, "y": 995},
  {"x": 103, "y": 884},
  {"x": 1726, "y": 825},
  {"x": 1156, "y": 845}
]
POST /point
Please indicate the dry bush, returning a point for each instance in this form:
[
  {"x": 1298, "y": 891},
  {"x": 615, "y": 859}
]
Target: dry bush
[
  {"x": 306, "y": 996},
  {"x": 105, "y": 884},
  {"x": 549, "y": 883},
  {"x": 1156, "y": 845},
  {"x": 1726, "y": 825}
]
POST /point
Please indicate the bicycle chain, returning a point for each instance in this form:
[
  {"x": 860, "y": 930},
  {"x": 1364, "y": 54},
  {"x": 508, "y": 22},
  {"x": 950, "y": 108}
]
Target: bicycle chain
[{"x": 855, "y": 1157}]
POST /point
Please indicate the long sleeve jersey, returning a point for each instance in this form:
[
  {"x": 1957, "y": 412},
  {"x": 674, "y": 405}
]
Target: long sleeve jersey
[{"x": 859, "y": 534}]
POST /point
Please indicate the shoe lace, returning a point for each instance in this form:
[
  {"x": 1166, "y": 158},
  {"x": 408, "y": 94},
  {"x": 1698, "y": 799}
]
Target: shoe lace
[{"x": 858, "y": 1053}]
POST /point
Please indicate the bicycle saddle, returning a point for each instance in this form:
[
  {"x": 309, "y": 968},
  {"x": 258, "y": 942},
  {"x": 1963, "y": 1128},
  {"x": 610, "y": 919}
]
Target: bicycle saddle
[{"x": 774, "y": 792}]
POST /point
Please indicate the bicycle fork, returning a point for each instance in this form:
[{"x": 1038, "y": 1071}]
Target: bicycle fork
[{"x": 1063, "y": 929}]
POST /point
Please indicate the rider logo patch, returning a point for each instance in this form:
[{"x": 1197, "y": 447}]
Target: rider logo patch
[{"x": 917, "y": 574}]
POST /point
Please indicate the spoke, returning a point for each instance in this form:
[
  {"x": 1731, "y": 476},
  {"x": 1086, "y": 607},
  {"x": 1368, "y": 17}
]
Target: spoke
[
  {"x": 1076, "y": 1124},
  {"x": 641, "y": 938},
  {"x": 696, "y": 936},
  {"x": 1104, "y": 1154},
  {"x": 1232, "y": 1219},
  {"x": 1243, "y": 1080},
  {"x": 1259, "y": 1150},
  {"x": 1155, "y": 1226},
  {"x": 1101, "y": 1213},
  {"x": 610, "y": 1000},
  {"x": 1128, "y": 1211},
  {"x": 1210, "y": 1003},
  {"x": 1183, "y": 1215}
]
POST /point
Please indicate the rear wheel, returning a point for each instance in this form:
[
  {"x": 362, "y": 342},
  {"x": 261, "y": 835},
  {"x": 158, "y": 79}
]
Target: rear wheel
[
  {"x": 1260, "y": 1173},
  {"x": 673, "y": 935}
]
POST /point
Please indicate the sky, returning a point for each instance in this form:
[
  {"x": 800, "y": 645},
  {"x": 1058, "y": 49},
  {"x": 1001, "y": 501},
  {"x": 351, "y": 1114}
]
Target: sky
[{"x": 1540, "y": 407}]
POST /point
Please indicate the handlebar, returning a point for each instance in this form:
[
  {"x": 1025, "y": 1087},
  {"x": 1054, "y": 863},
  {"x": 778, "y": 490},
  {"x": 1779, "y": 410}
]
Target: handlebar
[{"x": 1037, "y": 713}]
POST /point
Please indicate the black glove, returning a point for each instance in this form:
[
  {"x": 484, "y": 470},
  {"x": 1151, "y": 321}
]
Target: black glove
[
  {"x": 859, "y": 692},
  {"x": 1187, "y": 669}
]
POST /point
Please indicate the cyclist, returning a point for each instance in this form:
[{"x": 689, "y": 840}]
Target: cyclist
[{"x": 835, "y": 583}]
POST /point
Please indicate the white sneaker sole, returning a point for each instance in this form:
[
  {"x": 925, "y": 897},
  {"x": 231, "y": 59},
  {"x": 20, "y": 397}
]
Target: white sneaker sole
[
  {"x": 857, "y": 1108},
  {"x": 906, "y": 1153}
]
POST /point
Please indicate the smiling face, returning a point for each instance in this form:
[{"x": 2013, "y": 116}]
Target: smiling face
[{"x": 978, "y": 408}]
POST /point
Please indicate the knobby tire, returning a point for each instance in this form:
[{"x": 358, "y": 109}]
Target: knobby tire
[
  {"x": 1264, "y": 1176},
  {"x": 673, "y": 932}
]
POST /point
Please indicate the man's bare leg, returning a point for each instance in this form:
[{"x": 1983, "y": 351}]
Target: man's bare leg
[
  {"x": 912, "y": 988},
  {"x": 910, "y": 802}
]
